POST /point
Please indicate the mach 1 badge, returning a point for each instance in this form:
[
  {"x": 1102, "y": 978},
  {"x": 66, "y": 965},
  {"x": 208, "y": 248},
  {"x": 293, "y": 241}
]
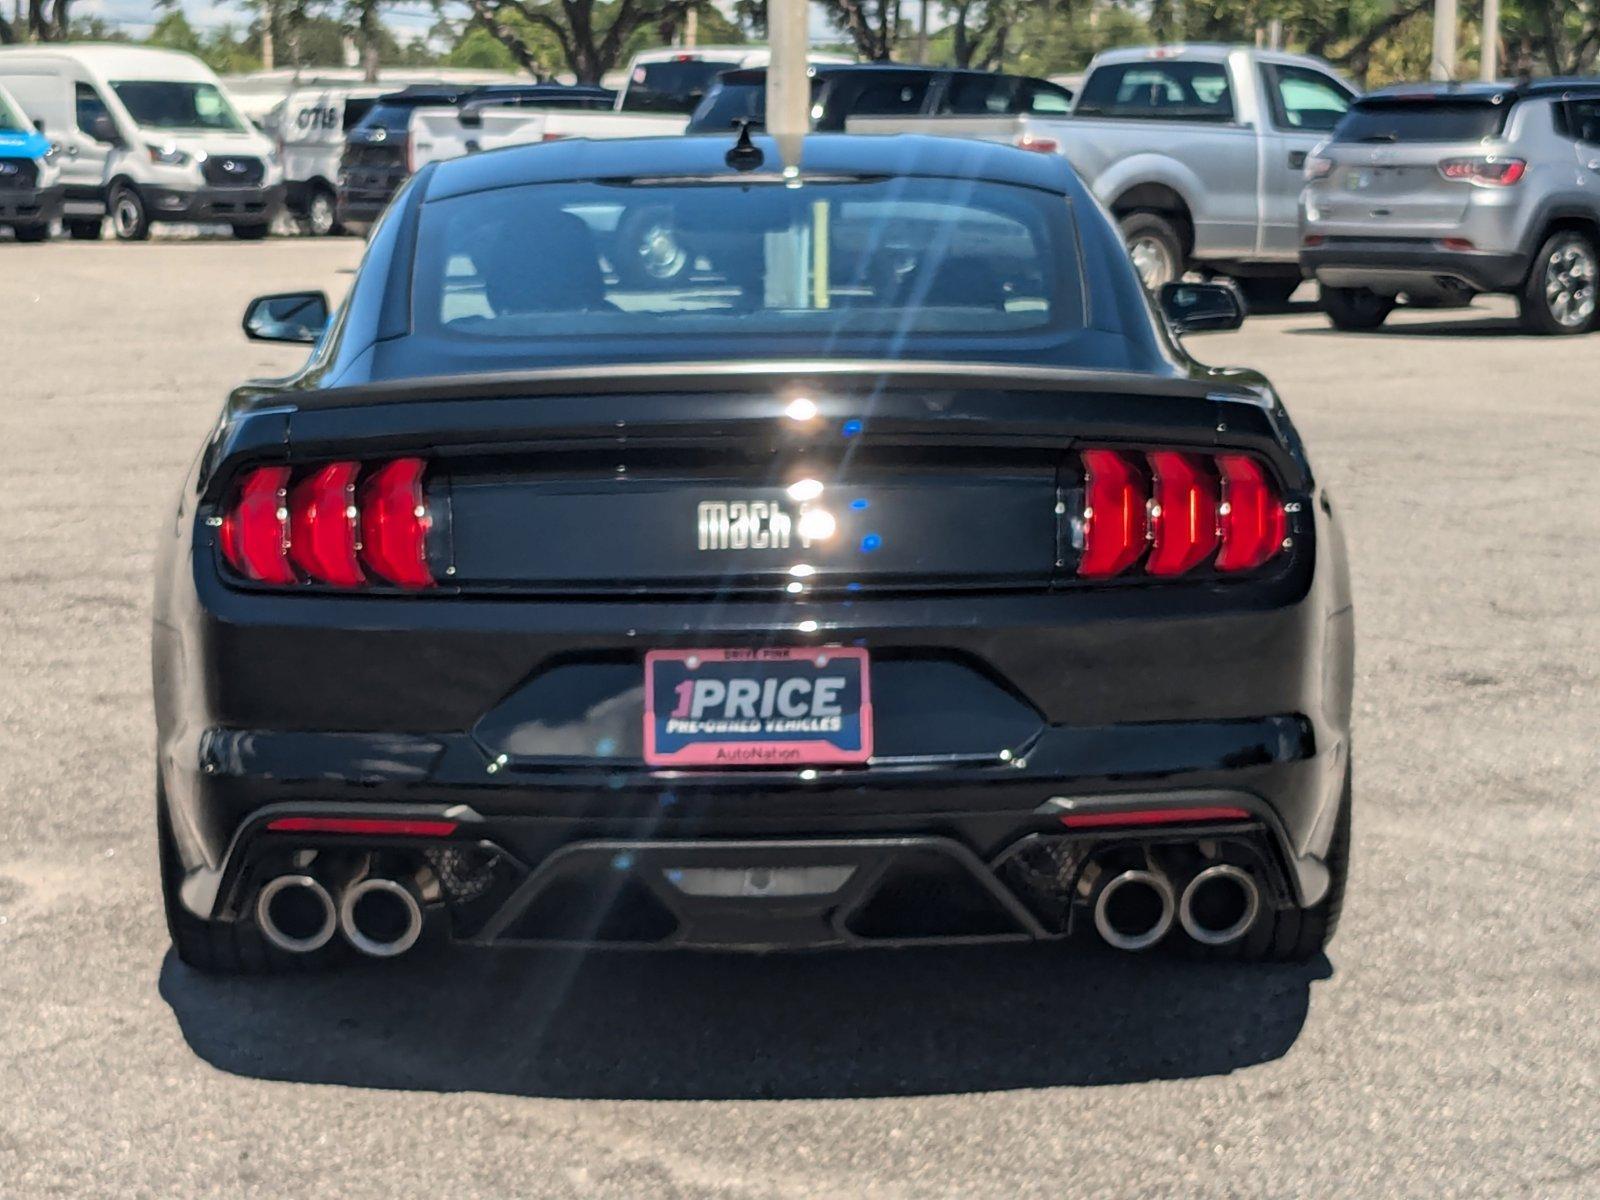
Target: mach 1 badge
[{"x": 772, "y": 707}]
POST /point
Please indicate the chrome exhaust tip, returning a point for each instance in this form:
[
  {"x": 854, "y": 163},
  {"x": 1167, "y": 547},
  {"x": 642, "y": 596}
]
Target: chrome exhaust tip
[
  {"x": 295, "y": 913},
  {"x": 380, "y": 917},
  {"x": 1134, "y": 910},
  {"x": 1219, "y": 905}
]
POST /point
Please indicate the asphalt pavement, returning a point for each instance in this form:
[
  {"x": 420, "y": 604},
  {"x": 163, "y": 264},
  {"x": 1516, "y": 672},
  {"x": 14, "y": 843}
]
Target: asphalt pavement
[{"x": 1449, "y": 1045}]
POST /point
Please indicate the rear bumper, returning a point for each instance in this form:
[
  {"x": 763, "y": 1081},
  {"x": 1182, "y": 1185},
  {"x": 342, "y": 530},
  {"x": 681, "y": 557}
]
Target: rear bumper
[
  {"x": 31, "y": 207},
  {"x": 364, "y": 205},
  {"x": 1393, "y": 265},
  {"x": 237, "y": 206}
]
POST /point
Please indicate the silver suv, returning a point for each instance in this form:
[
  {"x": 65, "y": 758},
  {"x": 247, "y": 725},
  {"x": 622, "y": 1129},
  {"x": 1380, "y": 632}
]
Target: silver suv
[{"x": 1437, "y": 192}]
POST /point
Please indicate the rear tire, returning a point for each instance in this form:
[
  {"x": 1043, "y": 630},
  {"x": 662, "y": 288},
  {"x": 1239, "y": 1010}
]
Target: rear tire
[
  {"x": 129, "y": 217},
  {"x": 321, "y": 218},
  {"x": 651, "y": 252},
  {"x": 219, "y": 947},
  {"x": 1155, "y": 247},
  {"x": 31, "y": 233},
  {"x": 1268, "y": 294},
  {"x": 1355, "y": 308},
  {"x": 250, "y": 233},
  {"x": 1559, "y": 295},
  {"x": 85, "y": 229}
]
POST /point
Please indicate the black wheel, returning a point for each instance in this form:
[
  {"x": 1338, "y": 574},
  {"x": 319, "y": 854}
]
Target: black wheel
[
  {"x": 1355, "y": 308},
  {"x": 31, "y": 233},
  {"x": 1269, "y": 294},
  {"x": 321, "y": 216},
  {"x": 250, "y": 233},
  {"x": 220, "y": 947},
  {"x": 1155, "y": 246},
  {"x": 650, "y": 252},
  {"x": 85, "y": 229},
  {"x": 130, "y": 220},
  {"x": 1559, "y": 296}
]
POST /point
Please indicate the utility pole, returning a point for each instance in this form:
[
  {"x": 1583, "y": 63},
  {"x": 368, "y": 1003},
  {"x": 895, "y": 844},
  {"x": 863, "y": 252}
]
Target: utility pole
[
  {"x": 691, "y": 29},
  {"x": 1444, "y": 40},
  {"x": 922, "y": 34},
  {"x": 1489, "y": 53}
]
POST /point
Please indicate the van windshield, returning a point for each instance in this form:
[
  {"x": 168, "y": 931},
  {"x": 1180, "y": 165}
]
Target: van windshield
[
  {"x": 167, "y": 104},
  {"x": 12, "y": 121}
]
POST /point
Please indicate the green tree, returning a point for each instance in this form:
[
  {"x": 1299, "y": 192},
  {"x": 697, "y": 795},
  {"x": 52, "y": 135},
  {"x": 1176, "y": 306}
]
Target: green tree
[{"x": 591, "y": 34}]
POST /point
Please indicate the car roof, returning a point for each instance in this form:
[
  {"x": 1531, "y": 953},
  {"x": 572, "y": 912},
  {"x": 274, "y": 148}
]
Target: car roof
[{"x": 580, "y": 159}]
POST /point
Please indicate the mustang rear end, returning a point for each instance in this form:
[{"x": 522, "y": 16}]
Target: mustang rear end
[{"x": 843, "y": 596}]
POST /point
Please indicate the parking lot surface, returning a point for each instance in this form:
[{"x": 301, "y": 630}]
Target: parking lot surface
[{"x": 1448, "y": 1046}]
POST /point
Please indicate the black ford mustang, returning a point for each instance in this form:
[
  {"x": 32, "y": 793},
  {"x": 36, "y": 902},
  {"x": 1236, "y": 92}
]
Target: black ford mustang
[{"x": 890, "y": 577}]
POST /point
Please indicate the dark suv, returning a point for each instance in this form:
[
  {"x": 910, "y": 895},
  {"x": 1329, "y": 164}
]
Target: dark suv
[
  {"x": 1437, "y": 192},
  {"x": 880, "y": 90}
]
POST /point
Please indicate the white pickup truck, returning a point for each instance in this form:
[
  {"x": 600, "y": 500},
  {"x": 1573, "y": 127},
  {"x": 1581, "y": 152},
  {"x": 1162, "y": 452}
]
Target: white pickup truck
[{"x": 1197, "y": 150}]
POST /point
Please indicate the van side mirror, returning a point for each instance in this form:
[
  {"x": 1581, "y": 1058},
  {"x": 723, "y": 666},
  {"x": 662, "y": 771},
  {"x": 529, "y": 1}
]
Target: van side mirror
[
  {"x": 1201, "y": 307},
  {"x": 38, "y": 123},
  {"x": 103, "y": 129},
  {"x": 287, "y": 317}
]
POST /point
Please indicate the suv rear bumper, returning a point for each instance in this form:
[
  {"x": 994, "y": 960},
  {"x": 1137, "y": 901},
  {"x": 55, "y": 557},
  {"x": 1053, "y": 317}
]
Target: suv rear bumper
[{"x": 1393, "y": 265}]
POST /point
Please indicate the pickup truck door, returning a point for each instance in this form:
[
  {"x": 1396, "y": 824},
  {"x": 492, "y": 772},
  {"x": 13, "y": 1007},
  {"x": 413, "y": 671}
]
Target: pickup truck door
[{"x": 1302, "y": 106}]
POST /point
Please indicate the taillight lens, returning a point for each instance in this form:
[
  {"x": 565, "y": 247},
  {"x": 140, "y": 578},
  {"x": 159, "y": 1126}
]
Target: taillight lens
[
  {"x": 322, "y": 525},
  {"x": 1183, "y": 513},
  {"x": 394, "y": 524},
  {"x": 255, "y": 535},
  {"x": 343, "y": 525},
  {"x": 1252, "y": 520},
  {"x": 1113, "y": 514},
  {"x": 1186, "y": 508},
  {"x": 1490, "y": 170},
  {"x": 1039, "y": 145}
]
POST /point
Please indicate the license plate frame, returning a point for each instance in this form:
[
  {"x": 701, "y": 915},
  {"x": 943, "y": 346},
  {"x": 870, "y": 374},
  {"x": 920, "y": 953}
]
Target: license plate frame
[{"x": 774, "y": 733}]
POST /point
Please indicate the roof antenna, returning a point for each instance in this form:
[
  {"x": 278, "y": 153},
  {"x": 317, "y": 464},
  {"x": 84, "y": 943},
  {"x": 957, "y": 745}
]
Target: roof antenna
[{"x": 745, "y": 155}]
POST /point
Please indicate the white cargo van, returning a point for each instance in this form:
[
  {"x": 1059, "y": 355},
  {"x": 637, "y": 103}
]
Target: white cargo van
[
  {"x": 144, "y": 136},
  {"x": 310, "y": 127}
]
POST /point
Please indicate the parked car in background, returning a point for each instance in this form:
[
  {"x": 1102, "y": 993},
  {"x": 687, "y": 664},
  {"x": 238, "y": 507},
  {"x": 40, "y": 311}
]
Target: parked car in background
[
  {"x": 310, "y": 127},
  {"x": 1197, "y": 150},
  {"x": 145, "y": 136},
  {"x": 676, "y": 80},
  {"x": 30, "y": 180},
  {"x": 841, "y": 92},
  {"x": 1437, "y": 192}
]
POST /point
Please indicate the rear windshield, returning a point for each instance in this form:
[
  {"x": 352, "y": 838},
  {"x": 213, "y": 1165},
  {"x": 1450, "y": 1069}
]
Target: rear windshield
[
  {"x": 395, "y": 115},
  {"x": 675, "y": 87},
  {"x": 1422, "y": 121},
  {"x": 1158, "y": 90},
  {"x": 610, "y": 272}
]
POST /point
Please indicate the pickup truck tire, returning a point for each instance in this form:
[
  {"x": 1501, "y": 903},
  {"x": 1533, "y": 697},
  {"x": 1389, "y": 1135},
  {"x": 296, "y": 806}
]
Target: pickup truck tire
[
  {"x": 85, "y": 229},
  {"x": 251, "y": 233},
  {"x": 1268, "y": 294},
  {"x": 1559, "y": 296},
  {"x": 1355, "y": 308},
  {"x": 1155, "y": 246},
  {"x": 130, "y": 220}
]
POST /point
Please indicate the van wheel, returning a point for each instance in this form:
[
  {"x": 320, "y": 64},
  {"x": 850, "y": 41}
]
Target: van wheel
[
  {"x": 31, "y": 233},
  {"x": 1355, "y": 308},
  {"x": 251, "y": 233},
  {"x": 321, "y": 219},
  {"x": 129, "y": 217},
  {"x": 1155, "y": 247},
  {"x": 1559, "y": 296},
  {"x": 85, "y": 229}
]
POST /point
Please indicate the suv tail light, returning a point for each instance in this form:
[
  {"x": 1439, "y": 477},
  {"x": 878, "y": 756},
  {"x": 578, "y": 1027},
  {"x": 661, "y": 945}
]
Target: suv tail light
[
  {"x": 1039, "y": 145},
  {"x": 1177, "y": 510},
  {"x": 1490, "y": 170},
  {"x": 343, "y": 525}
]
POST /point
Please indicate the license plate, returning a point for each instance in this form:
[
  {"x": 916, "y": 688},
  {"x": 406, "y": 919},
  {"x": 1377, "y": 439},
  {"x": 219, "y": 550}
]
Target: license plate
[{"x": 772, "y": 707}]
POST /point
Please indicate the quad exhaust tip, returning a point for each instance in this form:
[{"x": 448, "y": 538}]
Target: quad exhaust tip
[
  {"x": 1134, "y": 910},
  {"x": 295, "y": 913},
  {"x": 380, "y": 917},
  {"x": 1220, "y": 905}
]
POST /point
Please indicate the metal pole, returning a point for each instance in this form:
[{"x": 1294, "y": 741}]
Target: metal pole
[
  {"x": 691, "y": 29},
  {"x": 788, "y": 88},
  {"x": 922, "y": 34},
  {"x": 1489, "y": 54},
  {"x": 1444, "y": 39}
]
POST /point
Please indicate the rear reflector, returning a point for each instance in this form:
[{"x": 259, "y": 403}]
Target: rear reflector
[
  {"x": 1113, "y": 514},
  {"x": 255, "y": 535},
  {"x": 369, "y": 826},
  {"x": 394, "y": 524},
  {"x": 1153, "y": 816}
]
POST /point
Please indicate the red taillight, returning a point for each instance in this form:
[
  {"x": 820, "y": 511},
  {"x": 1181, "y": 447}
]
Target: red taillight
[
  {"x": 1040, "y": 145},
  {"x": 1154, "y": 816},
  {"x": 1183, "y": 516},
  {"x": 368, "y": 826},
  {"x": 394, "y": 524},
  {"x": 255, "y": 535},
  {"x": 1113, "y": 514},
  {"x": 322, "y": 525},
  {"x": 1458, "y": 243},
  {"x": 1312, "y": 239},
  {"x": 1490, "y": 170},
  {"x": 1252, "y": 516}
]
